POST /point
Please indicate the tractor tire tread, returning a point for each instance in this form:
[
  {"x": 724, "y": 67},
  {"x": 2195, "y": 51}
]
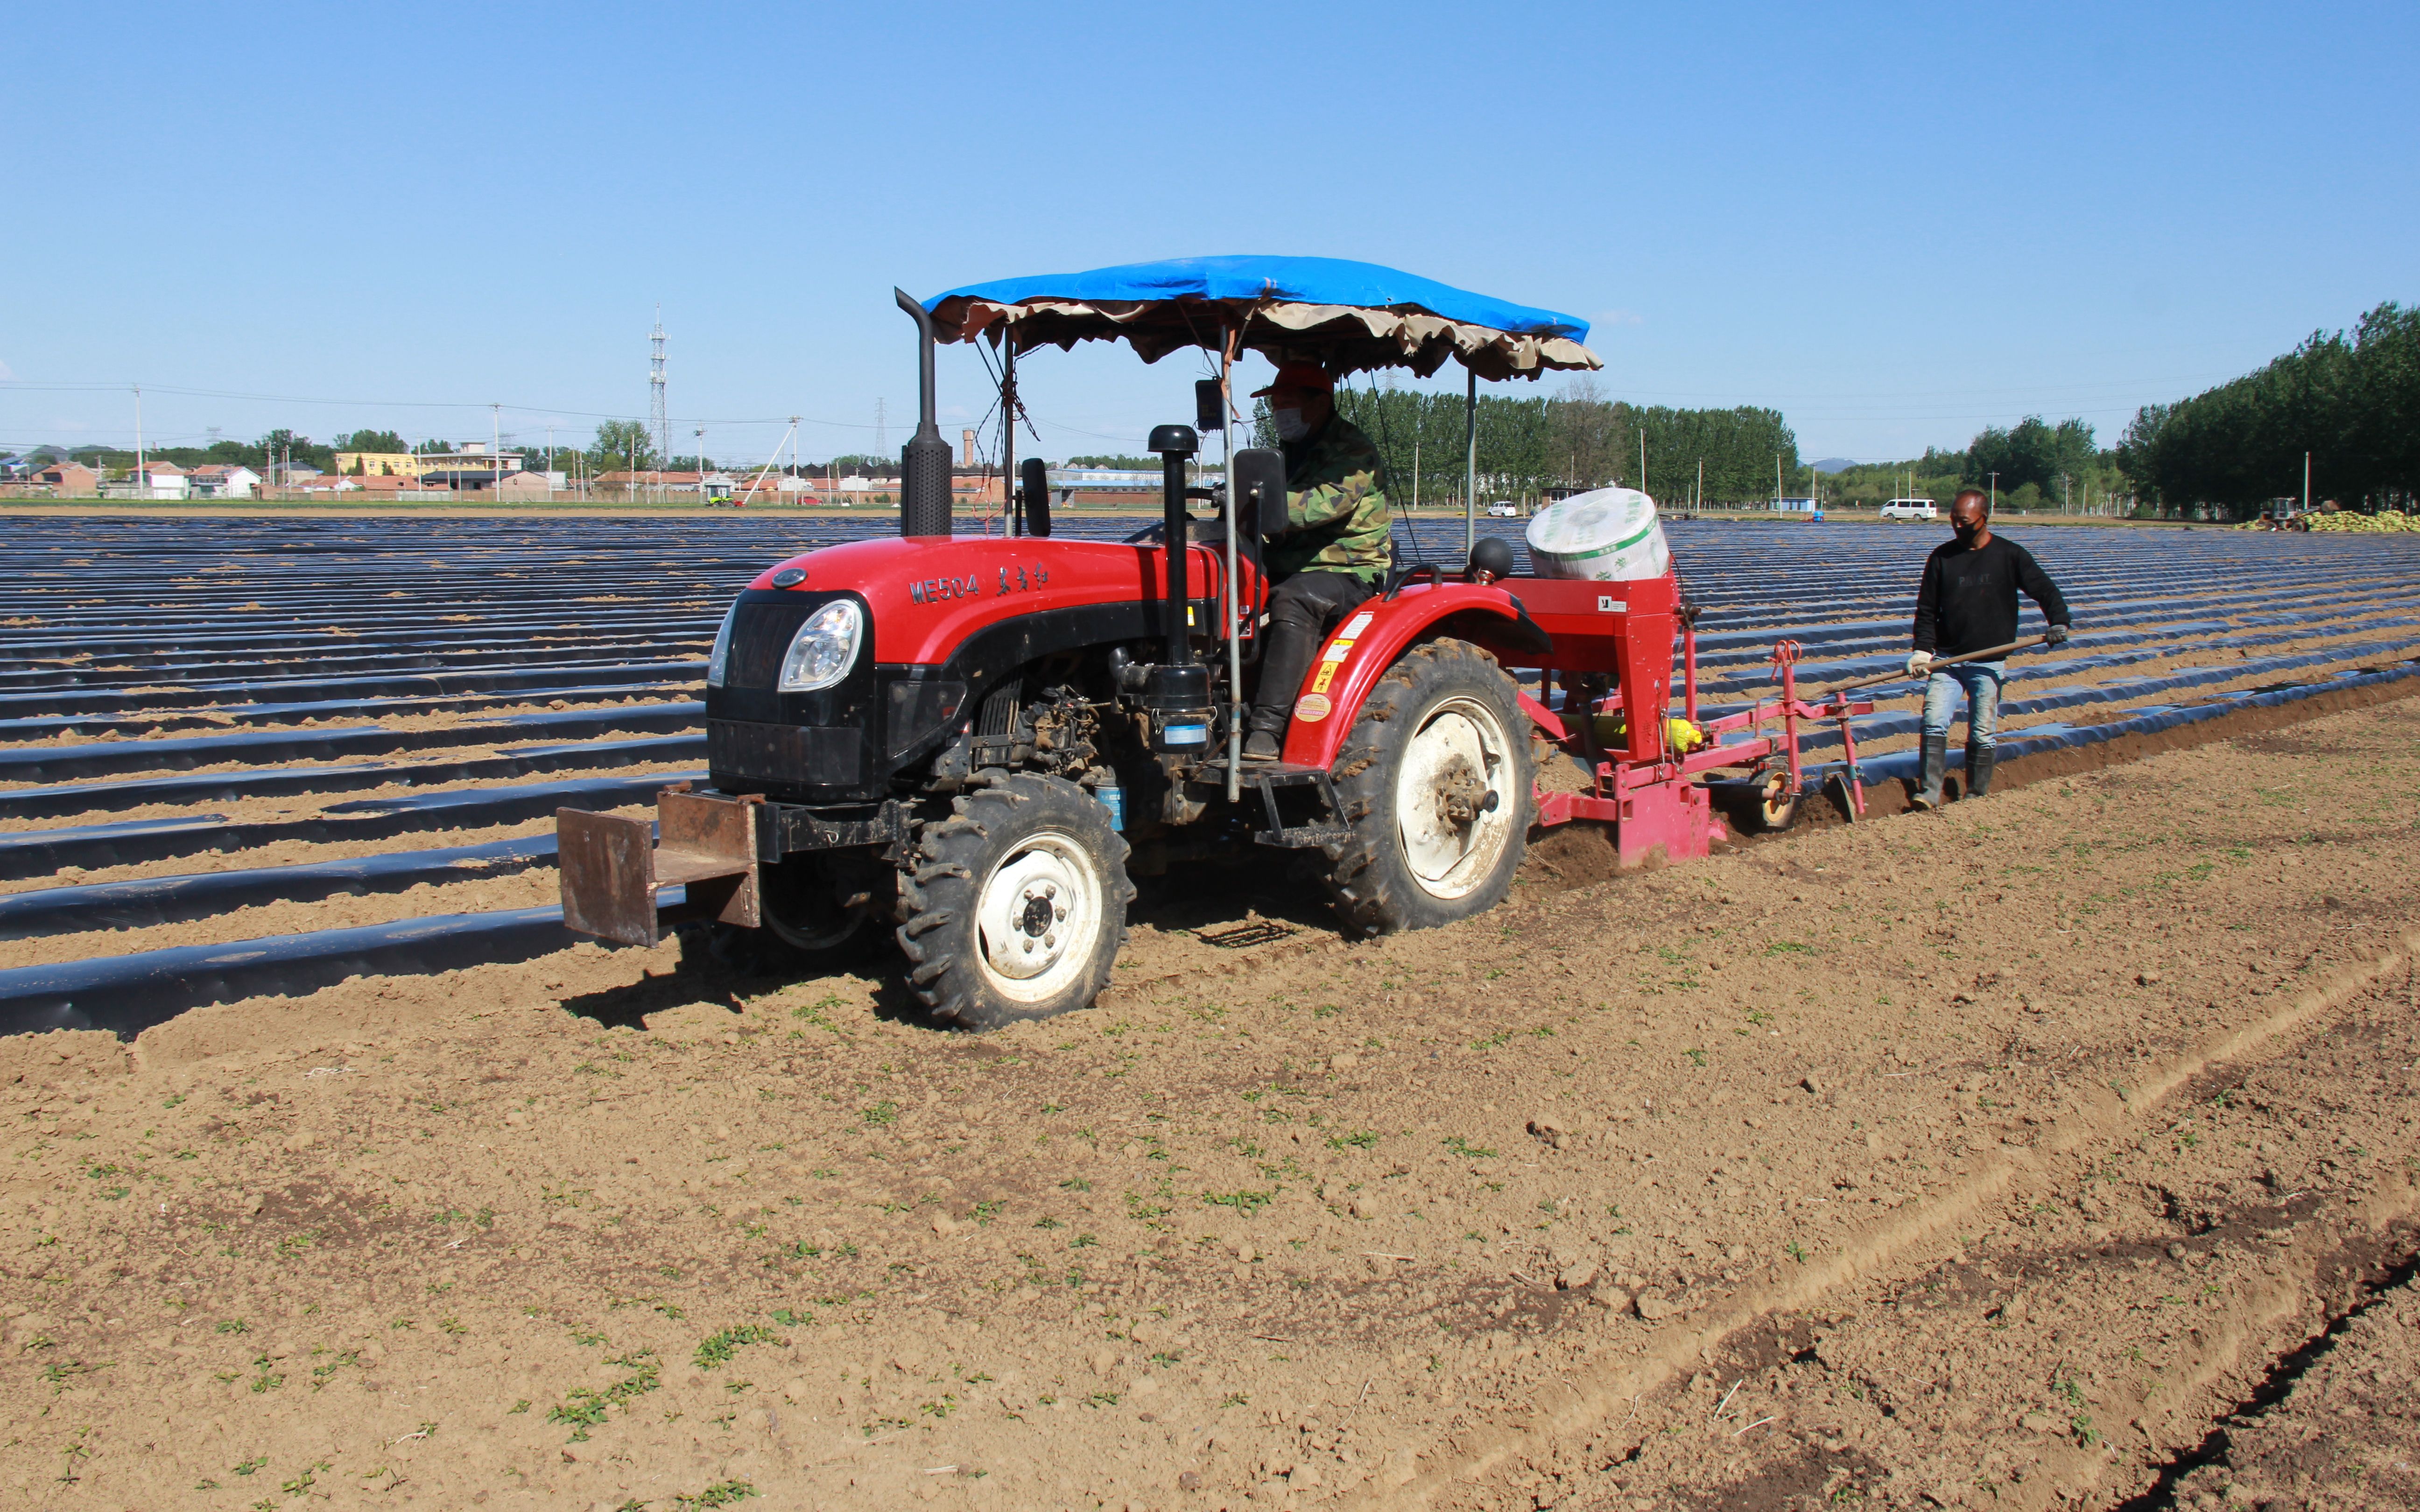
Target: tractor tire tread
[
  {"x": 940, "y": 897},
  {"x": 1367, "y": 898}
]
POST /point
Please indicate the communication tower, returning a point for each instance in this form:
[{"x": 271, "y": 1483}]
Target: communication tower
[{"x": 656, "y": 389}]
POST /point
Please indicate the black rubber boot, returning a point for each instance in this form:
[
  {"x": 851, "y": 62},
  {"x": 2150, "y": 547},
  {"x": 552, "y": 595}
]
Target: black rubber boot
[
  {"x": 1263, "y": 745},
  {"x": 1978, "y": 768},
  {"x": 1937, "y": 763}
]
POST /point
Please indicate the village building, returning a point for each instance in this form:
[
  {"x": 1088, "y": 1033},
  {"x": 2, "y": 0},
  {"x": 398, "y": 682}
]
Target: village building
[{"x": 219, "y": 480}]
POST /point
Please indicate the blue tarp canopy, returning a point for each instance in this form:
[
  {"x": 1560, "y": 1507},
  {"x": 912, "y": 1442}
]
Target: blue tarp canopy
[{"x": 1347, "y": 316}]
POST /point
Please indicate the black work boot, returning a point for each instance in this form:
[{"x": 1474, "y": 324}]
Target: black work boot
[
  {"x": 1937, "y": 763},
  {"x": 1264, "y": 736},
  {"x": 1978, "y": 768}
]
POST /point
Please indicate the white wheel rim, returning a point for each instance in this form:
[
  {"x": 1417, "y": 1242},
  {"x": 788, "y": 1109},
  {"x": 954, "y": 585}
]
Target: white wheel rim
[
  {"x": 1779, "y": 800},
  {"x": 1038, "y": 917},
  {"x": 1457, "y": 758}
]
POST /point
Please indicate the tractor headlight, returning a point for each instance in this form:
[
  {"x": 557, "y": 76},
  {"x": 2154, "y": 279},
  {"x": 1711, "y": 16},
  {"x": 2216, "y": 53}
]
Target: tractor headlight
[
  {"x": 825, "y": 647},
  {"x": 720, "y": 658}
]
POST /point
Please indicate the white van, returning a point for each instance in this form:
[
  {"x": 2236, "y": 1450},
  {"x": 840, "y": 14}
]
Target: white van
[{"x": 1909, "y": 509}]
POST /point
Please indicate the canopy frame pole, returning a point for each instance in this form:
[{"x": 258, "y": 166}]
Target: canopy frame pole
[
  {"x": 1470, "y": 464},
  {"x": 1235, "y": 705},
  {"x": 1016, "y": 510}
]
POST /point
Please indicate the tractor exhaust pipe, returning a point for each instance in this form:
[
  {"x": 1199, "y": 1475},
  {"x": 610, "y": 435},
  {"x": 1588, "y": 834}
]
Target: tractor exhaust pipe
[
  {"x": 1178, "y": 690},
  {"x": 1175, "y": 445},
  {"x": 924, "y": 461}
]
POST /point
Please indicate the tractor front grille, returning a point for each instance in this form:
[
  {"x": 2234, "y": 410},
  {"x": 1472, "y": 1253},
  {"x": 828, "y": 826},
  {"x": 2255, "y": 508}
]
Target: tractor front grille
[{"x": 784, "y": 755}]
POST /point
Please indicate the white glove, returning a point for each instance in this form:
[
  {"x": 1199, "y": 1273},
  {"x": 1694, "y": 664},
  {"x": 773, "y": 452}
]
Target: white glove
[{"x": 1919, "y": 663}]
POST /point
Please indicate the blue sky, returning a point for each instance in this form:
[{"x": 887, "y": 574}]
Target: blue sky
[{"x": 1894, "y": 224}]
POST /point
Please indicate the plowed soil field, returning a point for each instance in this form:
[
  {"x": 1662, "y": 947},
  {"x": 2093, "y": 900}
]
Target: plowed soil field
[{"x": 2053, "y": 1150}]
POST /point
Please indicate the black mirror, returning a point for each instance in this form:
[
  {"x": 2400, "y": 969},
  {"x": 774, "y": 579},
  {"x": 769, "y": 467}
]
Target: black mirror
[
  {"x": 1256, "y": 486},
  {"x": 1034, "y": 484},
  {"x": 1209, "y": 408}
]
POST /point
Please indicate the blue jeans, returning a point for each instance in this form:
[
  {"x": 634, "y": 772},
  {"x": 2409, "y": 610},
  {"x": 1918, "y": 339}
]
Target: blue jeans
[{"x": 1982, "y": 681}]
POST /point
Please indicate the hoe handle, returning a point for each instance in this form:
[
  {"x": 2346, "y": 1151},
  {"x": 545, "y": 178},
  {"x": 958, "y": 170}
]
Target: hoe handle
[{"x": 1992, "y": 653}]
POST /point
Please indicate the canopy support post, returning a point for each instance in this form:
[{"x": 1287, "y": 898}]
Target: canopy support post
[
  {"x": 1016, "y": 510},
  {"x": 1235, "y": 610},
  {"x": 1470, "y": 464}
]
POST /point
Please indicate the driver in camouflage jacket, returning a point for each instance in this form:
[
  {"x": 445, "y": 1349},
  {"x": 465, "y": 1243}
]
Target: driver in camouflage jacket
[{"x": 1334, "y": 547}]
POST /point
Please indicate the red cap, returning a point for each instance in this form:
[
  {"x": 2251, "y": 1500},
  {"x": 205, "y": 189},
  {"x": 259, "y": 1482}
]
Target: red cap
[{"x": 1299, "y": 375}]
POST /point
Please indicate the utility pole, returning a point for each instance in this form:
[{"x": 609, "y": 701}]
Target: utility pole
[
  {"x": 655, "y": 388},
  {"x": 2306, "y": 456},
  {"x": 701, "y": 466},
  {"x": 1697, "y": 499},
  {"x": 1777, "y": 483},
  {"x": 143, "y": 479},
  {"x": 496, "y": 451},
  {"x": 1643, "y": 459},
  {"x": 1995, "y": 492}
]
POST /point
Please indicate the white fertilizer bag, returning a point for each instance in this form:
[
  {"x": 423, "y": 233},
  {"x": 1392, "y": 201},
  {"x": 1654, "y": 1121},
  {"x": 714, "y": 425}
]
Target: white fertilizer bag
[{"x": 1607, "y": 536}]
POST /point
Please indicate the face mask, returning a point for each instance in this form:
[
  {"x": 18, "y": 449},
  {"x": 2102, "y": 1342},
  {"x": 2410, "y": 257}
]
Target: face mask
[
  {"x": 1967, "y": 533},
  {"x": 1289, "y": 423}
]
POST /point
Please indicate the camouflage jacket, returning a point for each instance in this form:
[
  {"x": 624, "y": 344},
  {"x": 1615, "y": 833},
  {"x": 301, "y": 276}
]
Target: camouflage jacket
[{"x": 1336, "y": 507}]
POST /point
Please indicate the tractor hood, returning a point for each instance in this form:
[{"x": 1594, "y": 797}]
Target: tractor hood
[{"x": 928, "y": 595}]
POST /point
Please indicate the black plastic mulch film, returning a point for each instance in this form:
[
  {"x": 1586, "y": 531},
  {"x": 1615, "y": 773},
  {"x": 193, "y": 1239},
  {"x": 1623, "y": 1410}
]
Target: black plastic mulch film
[{"x": 149, "y": 646}]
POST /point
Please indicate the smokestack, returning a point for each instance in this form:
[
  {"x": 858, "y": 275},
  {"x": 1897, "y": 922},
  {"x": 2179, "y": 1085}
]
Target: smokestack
[{"x": 924, "y": 461}]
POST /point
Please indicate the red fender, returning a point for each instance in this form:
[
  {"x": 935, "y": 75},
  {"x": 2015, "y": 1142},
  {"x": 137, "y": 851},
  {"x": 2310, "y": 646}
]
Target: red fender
[{"x": 1373, "y": 635}]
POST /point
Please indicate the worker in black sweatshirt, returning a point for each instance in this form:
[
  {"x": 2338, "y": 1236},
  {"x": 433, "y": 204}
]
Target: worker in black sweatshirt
[{"x": 1966, "y": 603}]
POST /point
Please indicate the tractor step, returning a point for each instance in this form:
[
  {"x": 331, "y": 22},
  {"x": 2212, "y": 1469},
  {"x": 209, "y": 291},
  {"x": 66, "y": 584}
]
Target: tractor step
[
  {"x": 614, "y": 869},
  {"x": 1266, "y": 777}
]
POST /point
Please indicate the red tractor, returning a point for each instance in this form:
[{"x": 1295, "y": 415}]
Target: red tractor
[{"x": 960, "y": 737}]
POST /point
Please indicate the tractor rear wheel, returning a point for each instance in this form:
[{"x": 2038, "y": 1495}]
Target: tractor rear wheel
[
  {"x": 1015, "y": 904},
  {"x": 1434, "y": 784}
]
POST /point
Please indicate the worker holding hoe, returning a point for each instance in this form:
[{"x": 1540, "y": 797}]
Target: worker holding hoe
[
  {"x": 1330, "y": 553},
  {"x": 1967, "y": 602}
]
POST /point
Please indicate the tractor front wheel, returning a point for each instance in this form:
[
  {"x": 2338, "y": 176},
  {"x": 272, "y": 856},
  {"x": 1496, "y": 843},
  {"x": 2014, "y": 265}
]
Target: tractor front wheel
[
  {"x": 1434, "y": 784},
  {"x": 1015, "y": 904}
]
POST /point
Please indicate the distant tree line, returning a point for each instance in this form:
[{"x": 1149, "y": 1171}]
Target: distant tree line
[
  {"x": 278, "y": 446},
  {"x": 2352, "y": 403},
  {"x": 863, "y": 465},
  {"x": 1575, "y": 439}
]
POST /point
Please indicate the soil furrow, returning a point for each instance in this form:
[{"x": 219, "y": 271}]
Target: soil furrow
[{"x": 1344, "y": 1223}]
